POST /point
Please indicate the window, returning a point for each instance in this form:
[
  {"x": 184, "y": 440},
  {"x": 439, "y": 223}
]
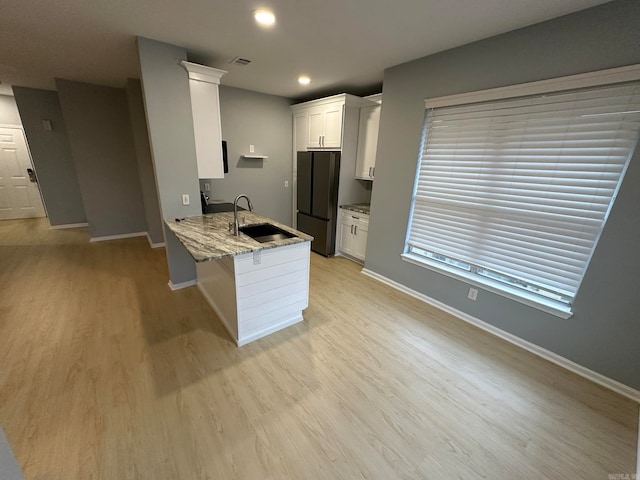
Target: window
[{"x": 512, "y": 194}]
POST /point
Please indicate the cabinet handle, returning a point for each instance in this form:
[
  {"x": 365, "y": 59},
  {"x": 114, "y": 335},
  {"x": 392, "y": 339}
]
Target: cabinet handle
[
  {"x": 351, "y": 228},
  {"x": 355, "y": 228},
  {"x": 370, "y": 168},
  {"x": 319, "y": 140},
  {"x": 373, "y": 172},
  {"x": 323, "y": 140}
]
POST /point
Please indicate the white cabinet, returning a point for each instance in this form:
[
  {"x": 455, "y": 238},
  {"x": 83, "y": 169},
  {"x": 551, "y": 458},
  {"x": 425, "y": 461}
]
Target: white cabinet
[
  {"x": 300, "y": 131},
  {"x": 324, "y": 126},
  {"x": 205, "y": 110},
  {"x": 367, "y": 141},
  {"x": 352, "y": 235}
]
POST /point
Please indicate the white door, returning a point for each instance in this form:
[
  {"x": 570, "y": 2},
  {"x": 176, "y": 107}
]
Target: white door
[{"x": 19, "y": 196}]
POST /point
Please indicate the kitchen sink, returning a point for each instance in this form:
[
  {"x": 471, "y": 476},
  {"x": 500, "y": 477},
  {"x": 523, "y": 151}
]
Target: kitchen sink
[{"x": 265, "y": 232}]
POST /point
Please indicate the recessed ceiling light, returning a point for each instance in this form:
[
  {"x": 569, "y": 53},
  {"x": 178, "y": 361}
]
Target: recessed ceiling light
[
  {"x": 304, "y": 80},
  {"x": 266, "y": 18}
]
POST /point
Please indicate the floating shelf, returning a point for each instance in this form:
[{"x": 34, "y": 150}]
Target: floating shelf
[{"x": 256, "y": 157}]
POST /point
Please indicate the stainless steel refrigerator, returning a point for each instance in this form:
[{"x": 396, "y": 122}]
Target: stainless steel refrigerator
[{"x": 318, "y": 174}]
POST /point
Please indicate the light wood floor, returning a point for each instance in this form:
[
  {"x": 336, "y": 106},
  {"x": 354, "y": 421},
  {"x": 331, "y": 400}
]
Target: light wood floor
[{"x": 105, "y": 373}]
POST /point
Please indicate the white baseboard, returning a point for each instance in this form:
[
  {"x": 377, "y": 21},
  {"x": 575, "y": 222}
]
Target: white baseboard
[
  {"x": 154, "y": 245},
  {"x": 117, "y": 237},
  {"x": 596, "y": 377},
  {"x": 68, "y": 225},
  {"x": 181, "y": 285}
]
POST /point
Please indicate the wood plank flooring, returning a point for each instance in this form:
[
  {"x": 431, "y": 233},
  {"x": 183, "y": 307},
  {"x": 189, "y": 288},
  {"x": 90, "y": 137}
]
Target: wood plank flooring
[{"x": 107, "y": 374}]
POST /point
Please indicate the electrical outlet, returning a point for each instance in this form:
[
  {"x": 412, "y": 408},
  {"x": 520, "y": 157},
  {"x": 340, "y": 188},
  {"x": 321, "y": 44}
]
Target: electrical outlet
[
  {"x": 286, "y": 184},
  {"x": 473, "y": 294},
  {"x": 252, "y": 149},
  {"x": 207, "y": 187},
  {"x": 185, "y": 199}
]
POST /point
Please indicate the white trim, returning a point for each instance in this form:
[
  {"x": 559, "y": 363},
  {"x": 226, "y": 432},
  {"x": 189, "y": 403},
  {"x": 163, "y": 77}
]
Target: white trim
[
  {"x": 584, "y": 372},
  {"x": 181, "y": 285},
  {"x": 348, "y": 99},
  {"x": 8, "y": 125},
  {"x": 521, "y": 296},
  {"x": 582, "y": 80},
  {"x": 117, "y": 237},
  {"x": 68, "y": 225},
  {"x": 203, "y": 73},
  {"x": 154, "y": 245}
]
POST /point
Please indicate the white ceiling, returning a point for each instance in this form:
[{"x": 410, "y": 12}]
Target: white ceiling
[{"x": 343, "y": 45}]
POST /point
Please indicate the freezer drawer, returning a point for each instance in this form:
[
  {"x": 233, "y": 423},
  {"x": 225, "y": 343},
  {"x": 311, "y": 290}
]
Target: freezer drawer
[{"x": 323, "y": 232}]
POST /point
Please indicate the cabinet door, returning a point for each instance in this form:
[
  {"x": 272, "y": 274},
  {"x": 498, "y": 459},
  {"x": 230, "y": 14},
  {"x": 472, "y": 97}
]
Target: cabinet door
[
  {"x": 361, "y": 231},
  {"x": 301, "y": 126},
  {"x": 316, "y": 127},
  {"x": 205, "y": 109},
  {"x": 345, "y": 239},
  {"x": 367, "y": 141},
  {"x": 332, "y": 126}
]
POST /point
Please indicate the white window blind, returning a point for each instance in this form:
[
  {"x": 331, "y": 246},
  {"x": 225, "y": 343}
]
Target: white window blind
[{"x": 517, "y": 191}]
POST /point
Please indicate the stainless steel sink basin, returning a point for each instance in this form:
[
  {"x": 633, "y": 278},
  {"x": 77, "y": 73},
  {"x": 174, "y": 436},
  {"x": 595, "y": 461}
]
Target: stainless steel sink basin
[{"x": 265, "y": 232}]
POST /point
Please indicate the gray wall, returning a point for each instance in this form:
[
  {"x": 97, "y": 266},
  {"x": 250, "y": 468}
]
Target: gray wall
[
  {"x": 8, "y": 111},
  {"x": 145, "y": 162},
  {"x": 603, "y": 334},
  {"x": 265, "y": 121},
  {"x": 51, "y": 155},
  {"x": 99, "y": 132},
  {"x": 165, "y": 86}
]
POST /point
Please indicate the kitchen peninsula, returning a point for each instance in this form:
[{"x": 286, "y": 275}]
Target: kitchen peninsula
[{"x": 255, "y": 286}]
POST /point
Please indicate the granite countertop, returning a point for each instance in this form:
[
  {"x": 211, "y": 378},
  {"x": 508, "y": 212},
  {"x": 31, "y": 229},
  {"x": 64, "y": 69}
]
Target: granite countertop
[
  {"x": 357, "y": 207},
  {"x": 207, "y": 237}
]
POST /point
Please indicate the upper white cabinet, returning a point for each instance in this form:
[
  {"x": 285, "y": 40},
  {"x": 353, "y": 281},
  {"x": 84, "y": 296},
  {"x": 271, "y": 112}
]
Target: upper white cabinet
[
  {"x": 368, "y": 139},
  {"x": 320, "y": 124},
  {"x": 205, "y": 109},
  {"x": 325, "y": 126}
]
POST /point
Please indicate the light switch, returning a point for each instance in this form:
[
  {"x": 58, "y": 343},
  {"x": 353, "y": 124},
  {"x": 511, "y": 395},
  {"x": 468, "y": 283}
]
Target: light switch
[
  {"x": 46, "y": 124},
  {"x": 286, "y": 184},
  {"x": 185, "y": 199},
  {"x": 252, "y": 149}
]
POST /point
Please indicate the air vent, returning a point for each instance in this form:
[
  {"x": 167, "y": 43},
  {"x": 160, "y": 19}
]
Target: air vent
[{"x": 240, "y": 61}]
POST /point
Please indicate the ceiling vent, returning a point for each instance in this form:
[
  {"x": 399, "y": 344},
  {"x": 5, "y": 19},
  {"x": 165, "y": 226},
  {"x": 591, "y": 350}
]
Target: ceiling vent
[{"x": 243, "y": 62}]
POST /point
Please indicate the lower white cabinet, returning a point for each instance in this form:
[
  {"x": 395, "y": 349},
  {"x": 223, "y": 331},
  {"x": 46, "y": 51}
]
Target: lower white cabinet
[{"x": 353, "y": 230}]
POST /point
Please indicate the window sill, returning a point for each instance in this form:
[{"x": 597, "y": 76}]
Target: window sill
[{"x": 549, "y": 306}]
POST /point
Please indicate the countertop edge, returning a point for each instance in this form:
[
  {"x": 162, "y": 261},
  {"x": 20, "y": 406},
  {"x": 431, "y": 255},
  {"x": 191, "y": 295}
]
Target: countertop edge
[{"x": 206, "y": 237}]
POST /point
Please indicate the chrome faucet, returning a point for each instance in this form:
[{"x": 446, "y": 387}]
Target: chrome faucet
[{"x": 236, "y": 225}]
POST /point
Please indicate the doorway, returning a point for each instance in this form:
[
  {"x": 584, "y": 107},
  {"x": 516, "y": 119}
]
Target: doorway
[{"x": 19, "y": 192}]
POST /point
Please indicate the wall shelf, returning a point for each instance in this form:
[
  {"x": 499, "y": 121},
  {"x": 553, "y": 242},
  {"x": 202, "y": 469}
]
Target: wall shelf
[{"x": 256, "y": 157}]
